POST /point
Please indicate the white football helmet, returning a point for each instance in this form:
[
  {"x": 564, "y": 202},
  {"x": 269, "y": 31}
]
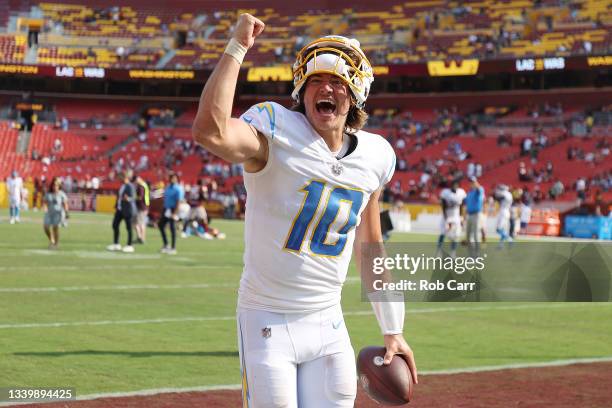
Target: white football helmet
[{"x": 335, "y": 55}]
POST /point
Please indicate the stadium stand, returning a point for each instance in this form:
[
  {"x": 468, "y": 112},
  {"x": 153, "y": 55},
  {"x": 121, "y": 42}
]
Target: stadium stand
[
  {"x": 432, "y": 147},
  {"x": 12, "y": 48},
  {"x": 138, "y": 33},
  {"x": 78, "y": 111},
  {"x": 8, "y": 149}
]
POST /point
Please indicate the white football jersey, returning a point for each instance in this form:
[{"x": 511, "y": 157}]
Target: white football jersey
[
  {"x": 453, "y": 202},
  {"x": 505, "y": 201},
  {"x": 301, "y": 212},
  {"x": 14, "y": 186}
]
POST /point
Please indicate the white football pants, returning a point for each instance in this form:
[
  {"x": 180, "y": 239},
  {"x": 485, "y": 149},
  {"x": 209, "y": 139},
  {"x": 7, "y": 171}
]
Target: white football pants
[
  {"x": 503, "y": 220},
  {"x": 296, "y": 360},
  {"x": 451, "y": 228}
]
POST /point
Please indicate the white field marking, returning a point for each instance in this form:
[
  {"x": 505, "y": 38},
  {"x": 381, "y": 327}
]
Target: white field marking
[
  {"x": 103, "y": 254},
  {"x": 183, "y": 255},
  {"x": 558, "y": 239},
  {"x": 118, "y": 287},
  {"x": 553, "y": 363},
  {"x": 33, "y": 252},
  {"x": 349, "y": 281},
  {"x": 453, "y": 309},
  {"x": 141, "y": 393},
  {"x": 233, "y": 387},
  {"x": 111, "y": 322},
  {"x": 84, "y": 268},
  {"x": 94, "y": 254},
  {"x": 113, "y": 255},
  {"x": 349, "y": 313}
]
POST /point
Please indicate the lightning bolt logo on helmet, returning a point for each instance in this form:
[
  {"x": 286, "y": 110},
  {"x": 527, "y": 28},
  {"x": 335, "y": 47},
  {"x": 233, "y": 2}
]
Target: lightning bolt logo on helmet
[{"x": 335, "y": 55}]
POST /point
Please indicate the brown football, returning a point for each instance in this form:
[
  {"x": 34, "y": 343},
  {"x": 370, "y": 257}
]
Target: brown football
[{"x": 387, "y": 385}]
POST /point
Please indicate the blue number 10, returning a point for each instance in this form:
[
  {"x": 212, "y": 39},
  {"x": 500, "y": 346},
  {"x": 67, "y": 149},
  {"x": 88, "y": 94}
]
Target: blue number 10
[{"x": 318, "y": 242}]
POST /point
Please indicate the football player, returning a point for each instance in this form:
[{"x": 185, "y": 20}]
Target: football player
[
  {"x": 451, "y": 200},
  {"x": 474, "y": 203},
  {"x": 313, "y": 180},
  {"x": 14, "y": 185},
  {"x": 504, "y": 197}
]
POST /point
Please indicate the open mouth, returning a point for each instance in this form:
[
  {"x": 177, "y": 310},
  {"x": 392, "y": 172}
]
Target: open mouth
[{"x": 326, "y": 107}]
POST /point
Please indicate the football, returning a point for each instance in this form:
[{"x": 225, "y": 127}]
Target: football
[{"x": 387, "y": 385}]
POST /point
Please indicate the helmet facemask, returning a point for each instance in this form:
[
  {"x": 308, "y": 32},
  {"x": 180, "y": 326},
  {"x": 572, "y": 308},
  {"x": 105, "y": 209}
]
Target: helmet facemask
[{"x": 337, "y": 56}]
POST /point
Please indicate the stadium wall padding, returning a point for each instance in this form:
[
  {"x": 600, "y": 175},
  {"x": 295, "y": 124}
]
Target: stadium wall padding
[
  {"x": 3, "y": 195},
  {"x": 415, "y": 209},
  {"x": 105, "y": 203}
]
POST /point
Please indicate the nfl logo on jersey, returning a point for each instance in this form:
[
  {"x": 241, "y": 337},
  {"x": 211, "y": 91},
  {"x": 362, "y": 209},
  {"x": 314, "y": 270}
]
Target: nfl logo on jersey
[{"x": 266, "y": 332}]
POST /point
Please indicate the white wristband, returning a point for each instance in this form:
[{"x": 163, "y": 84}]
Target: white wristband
[
  {"x": 236, "y": 50},
  {"x": 389, "y": 310}
]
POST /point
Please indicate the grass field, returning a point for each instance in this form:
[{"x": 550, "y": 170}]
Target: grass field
[{"x": 112, "y": 322}]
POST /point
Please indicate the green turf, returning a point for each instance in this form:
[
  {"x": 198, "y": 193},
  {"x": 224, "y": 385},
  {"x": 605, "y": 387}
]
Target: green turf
[{"x": 106, "y": 350}]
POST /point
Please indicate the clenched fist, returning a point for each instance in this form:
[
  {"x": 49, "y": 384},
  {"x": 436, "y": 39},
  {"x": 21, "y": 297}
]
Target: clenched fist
[{"x": 247, "y": 29}]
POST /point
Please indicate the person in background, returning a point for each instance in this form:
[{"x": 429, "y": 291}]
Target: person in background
[
  {"x": 173, "y": 195},
  {"x": 25, "y": 202},
  {"x": 474, "y": 203},
  {"x": 525, "y": 215},
  {"x": 38, "y": 195},
  {"x": 143, "y": 201},
  {"x": 515, "y": 219},
  {"x": 487, "y": 210},
  {"x": 230, "y": 200},
  {"x": 581, "y": 190},
  {"x": 452, "y": 201},
  {"x": 125, "y": 209},
  {"x": 55, "y": 205},
  {"x": 198, "y": 223},
  {"x": 14, "y": 185},
  {"x": 504, "y": 197}
]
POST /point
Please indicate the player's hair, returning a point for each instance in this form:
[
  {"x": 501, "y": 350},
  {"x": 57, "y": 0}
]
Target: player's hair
[
  {"x": 355, "y": 120},
  {"x": 54, "y": 181}
]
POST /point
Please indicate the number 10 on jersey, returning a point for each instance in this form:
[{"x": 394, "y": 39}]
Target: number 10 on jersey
[{"x": 319, "y": 243}]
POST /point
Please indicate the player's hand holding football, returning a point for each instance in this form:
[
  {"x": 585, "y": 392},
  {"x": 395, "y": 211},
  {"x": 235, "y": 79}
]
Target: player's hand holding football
[
  {"x": 247, "y": 29},
  {"x": 396, "y": 344}
]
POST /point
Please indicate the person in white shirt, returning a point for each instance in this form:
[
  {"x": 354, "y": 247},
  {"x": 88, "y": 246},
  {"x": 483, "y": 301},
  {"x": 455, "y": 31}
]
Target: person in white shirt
[
  {"x": 14, "y": 185},
  {"x": 451, "y": 200},
  {"x": 504, "y": 197},
  {"x": 525, "y": 216},
  {"x": 313, "y": 180},
  {"x": 581, "y": 189}
]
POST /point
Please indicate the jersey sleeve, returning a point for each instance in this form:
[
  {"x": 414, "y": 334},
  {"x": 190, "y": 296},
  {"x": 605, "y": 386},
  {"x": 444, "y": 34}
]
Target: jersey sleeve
[
  {"x": 265, "y": 117},
  {"x": 390, "y": 160},
  {"x": 444, "y": 194}
]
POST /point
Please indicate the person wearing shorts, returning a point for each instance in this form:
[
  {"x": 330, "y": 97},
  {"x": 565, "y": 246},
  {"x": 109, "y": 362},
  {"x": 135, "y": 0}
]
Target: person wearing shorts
[{"x": 55, "y": 205}]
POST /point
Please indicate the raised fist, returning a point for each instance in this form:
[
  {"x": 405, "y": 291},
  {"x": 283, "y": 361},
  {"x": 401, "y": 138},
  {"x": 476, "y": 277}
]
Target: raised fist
[{"x": 247, "y": 29}]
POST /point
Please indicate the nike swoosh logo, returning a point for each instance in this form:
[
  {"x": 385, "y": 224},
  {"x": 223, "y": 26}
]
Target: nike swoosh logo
[{"x": 336, "y": 325}]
